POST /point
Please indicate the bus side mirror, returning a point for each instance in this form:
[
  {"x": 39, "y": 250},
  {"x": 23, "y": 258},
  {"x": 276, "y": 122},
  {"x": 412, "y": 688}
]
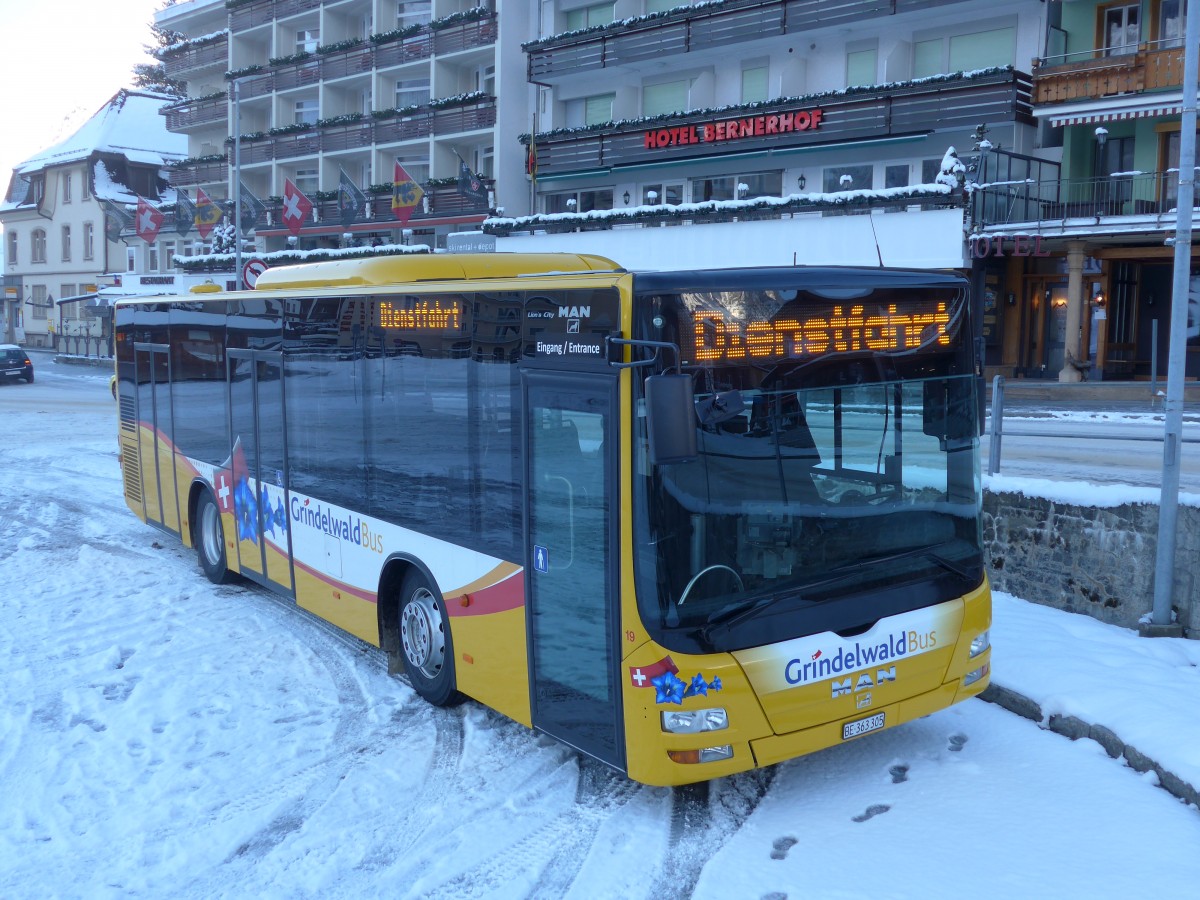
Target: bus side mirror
[
  {"x": 670, "y": 419},
  {"x": 949, "y": 409}
]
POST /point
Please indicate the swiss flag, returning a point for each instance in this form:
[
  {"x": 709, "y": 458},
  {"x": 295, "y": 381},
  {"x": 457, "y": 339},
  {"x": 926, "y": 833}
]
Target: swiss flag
[
  {"x": 148, "y": 221},
  {"x": 296, "y": 207}
]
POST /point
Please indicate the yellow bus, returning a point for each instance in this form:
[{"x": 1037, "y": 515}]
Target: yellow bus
[{"x": 689, "y": 523}]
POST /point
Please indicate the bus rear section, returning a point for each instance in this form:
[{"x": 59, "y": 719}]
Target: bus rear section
[{"x": 807, "y": 553}]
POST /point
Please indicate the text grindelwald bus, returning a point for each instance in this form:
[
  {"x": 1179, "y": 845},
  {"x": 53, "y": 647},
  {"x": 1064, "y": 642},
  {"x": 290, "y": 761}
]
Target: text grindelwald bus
[{"x": 689, "y": 523}]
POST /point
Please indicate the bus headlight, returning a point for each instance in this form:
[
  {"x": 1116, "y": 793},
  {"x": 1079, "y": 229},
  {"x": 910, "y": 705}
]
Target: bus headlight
[
  {"x": 693, "y": 721},
  {"x": 980, "y": 643}
]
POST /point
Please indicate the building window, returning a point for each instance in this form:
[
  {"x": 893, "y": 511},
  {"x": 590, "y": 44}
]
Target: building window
[
  {"x": 412, "y": 92},
  {"x": 655, "y": 6},
  {"x": 37, "y": 246},
  {"x": 589, "y": 110},
  {"x": 89, "y": 240},
  {"x": 861, "y": 67},
  {"x": 588, "y": 16},
  {"x": 896, "y": 176},
  {"x": 37, "y": 302},
  {"x": 982, "y": 50},
  {"x": 754, "y": 84},
  {"x": 662, "y": 194},
  {"x": 861, "y": 178},
  {"x": 579, "y": 201},
  {"x": 928, "y": 57},
  {"x": 307, "y": 40},
  {"x": 84, "y": 188},
  {"x": 152, "y": 257},
  {"x": 308, "y": 181},
  {"x": 66, "y": 243},
  {"x": 1170, "y": 23},
  {"x": 168, "y": 255},
  {"x": 307, "y": 112},
  {"x": 737, "y": 187},
  {"x": 668, "y": 97},
  {"x": 130, "y": 259},
  {"x": 66, "y": 183},
  {"x": 413, "y": 12},
  {"x": 1119, "y": 25},
  {"x": 12, "y": 248}
]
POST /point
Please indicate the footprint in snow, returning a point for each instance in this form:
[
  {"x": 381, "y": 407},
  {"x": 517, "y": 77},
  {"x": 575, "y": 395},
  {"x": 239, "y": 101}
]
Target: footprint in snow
[
  {"x": 899, "y": 773},
  {"x": 779, "y": 850},
  {"x": 957, "y": 741},
  {"x": 872, "y": 812}
]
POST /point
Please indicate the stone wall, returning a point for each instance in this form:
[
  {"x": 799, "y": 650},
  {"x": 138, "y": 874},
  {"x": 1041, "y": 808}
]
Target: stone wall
[{"x": 1094, "y": 560}]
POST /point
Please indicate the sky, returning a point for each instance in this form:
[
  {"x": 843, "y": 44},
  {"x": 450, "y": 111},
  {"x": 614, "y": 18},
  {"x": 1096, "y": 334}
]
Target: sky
[
  {"x": 62, "y": 60},
  {"x": 164, "y": 736}
]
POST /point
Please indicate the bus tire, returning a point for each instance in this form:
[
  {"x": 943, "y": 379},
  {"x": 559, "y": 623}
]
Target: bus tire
[
  {"x": 208, "y": 536},
  {"x": 426, "y": 648}
]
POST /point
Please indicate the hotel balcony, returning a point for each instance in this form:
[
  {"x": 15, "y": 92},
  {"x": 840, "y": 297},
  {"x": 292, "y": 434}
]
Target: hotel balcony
[
  {"x": 355, "y": 136},
  {"x": 186, "y": 60},
  {"x": 1095, "y": 74},
  {"x": 698, "y": 29},
  {"x": 370, "y": 56},
  {"x": 915, "y": 108},
  {"x": 196, "y": 113},
  {"x": 213, "y": 172},
  {"x": 252, "y": 15},
  {"x": 1122, "y": 204}
]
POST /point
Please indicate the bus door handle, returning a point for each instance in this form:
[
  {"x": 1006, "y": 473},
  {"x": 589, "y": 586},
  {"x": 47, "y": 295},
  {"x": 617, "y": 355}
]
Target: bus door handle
[{"x": 570, "y": 489}]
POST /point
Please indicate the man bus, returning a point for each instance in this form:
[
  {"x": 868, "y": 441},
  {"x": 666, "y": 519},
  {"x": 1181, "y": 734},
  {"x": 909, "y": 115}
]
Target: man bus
[{"x": 689, "y": 523}]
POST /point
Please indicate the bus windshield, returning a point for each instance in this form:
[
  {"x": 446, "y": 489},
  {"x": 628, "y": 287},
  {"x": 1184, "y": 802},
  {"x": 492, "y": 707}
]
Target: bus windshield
[{"x": 836, "y": 477}]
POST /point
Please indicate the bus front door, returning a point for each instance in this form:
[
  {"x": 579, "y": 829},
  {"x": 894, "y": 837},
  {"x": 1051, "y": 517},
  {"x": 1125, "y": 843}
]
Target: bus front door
[
  {"x": 257, "y": 460},
  {"x": 571, "y": 566}
]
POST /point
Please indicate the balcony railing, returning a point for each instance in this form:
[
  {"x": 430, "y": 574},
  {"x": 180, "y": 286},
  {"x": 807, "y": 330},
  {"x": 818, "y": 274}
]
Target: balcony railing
[
  {"x": 370, "y": 131},
  {"x": 703, "y": 29},
  {"x": 180, "y": 62},
  {"x": 369, "y": 57},
  {"x": 1092, "y": 74},
  {"x": 199, "y": 173},
  {"x": 1059, "y": 200},
  {"x": 251, "y": 15},
  {"x": 912, "y": 108},
  {"x": 195, "y": 114}
]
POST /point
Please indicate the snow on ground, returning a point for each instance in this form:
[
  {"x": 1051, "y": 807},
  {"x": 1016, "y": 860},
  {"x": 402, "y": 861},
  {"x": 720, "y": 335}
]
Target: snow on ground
[{"x": 166, "y": 737}]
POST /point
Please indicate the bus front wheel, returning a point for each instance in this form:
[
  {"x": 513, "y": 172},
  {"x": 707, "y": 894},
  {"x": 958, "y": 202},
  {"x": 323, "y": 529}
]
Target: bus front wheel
[
  {"x": 425, "y": 642},
  {"x": 208, "y": 536}
]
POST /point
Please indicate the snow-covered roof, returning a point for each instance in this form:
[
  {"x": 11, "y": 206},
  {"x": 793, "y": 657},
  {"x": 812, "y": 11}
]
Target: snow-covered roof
[{"x": 128, "y": 125}]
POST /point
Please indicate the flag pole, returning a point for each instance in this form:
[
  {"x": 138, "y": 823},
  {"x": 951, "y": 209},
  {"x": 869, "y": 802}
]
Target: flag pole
[{"x": 237, "y": 177}]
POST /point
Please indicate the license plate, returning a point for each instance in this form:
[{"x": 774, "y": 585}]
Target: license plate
[{"x": 862, "y": 726}]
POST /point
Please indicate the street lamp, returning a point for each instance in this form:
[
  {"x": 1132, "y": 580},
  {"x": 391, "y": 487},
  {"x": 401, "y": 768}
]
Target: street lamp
[{"x": 1101, "y": 141}]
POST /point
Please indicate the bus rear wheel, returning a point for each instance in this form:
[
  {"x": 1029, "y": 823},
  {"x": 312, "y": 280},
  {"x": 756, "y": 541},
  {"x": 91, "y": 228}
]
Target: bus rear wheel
[
  {"x": 425, "y": 644},
  {"x": 208, "y": 536}
]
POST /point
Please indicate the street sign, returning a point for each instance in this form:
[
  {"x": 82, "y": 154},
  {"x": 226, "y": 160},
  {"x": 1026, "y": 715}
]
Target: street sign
[{"x": 251, "y": 270}]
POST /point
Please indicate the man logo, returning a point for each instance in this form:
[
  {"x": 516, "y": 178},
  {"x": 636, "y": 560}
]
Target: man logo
[
  {"x": 864, "y": 681},
  {"x": 574, "y": 312}
]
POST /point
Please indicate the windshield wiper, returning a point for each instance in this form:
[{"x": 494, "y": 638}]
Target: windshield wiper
[{"x": 723, "y": 620}]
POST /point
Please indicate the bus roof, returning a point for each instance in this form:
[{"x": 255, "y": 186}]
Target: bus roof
[
  {"x": 413, "y": 268},
  {"x": 817, "y": 278}
]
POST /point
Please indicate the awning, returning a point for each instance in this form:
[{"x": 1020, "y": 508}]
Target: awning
[
  {"x": 77, "y": 298},
  {"x": 1112, "y": 109}
]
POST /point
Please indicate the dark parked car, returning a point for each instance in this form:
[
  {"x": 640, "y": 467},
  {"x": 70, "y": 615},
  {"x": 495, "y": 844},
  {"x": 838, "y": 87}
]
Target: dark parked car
[{"x": 14, "y": 363}]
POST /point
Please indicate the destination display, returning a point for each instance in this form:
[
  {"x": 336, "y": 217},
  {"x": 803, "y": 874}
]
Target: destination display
[
  {"x": 413, "y": 314},
  {"x": 719, "y": 335}
]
